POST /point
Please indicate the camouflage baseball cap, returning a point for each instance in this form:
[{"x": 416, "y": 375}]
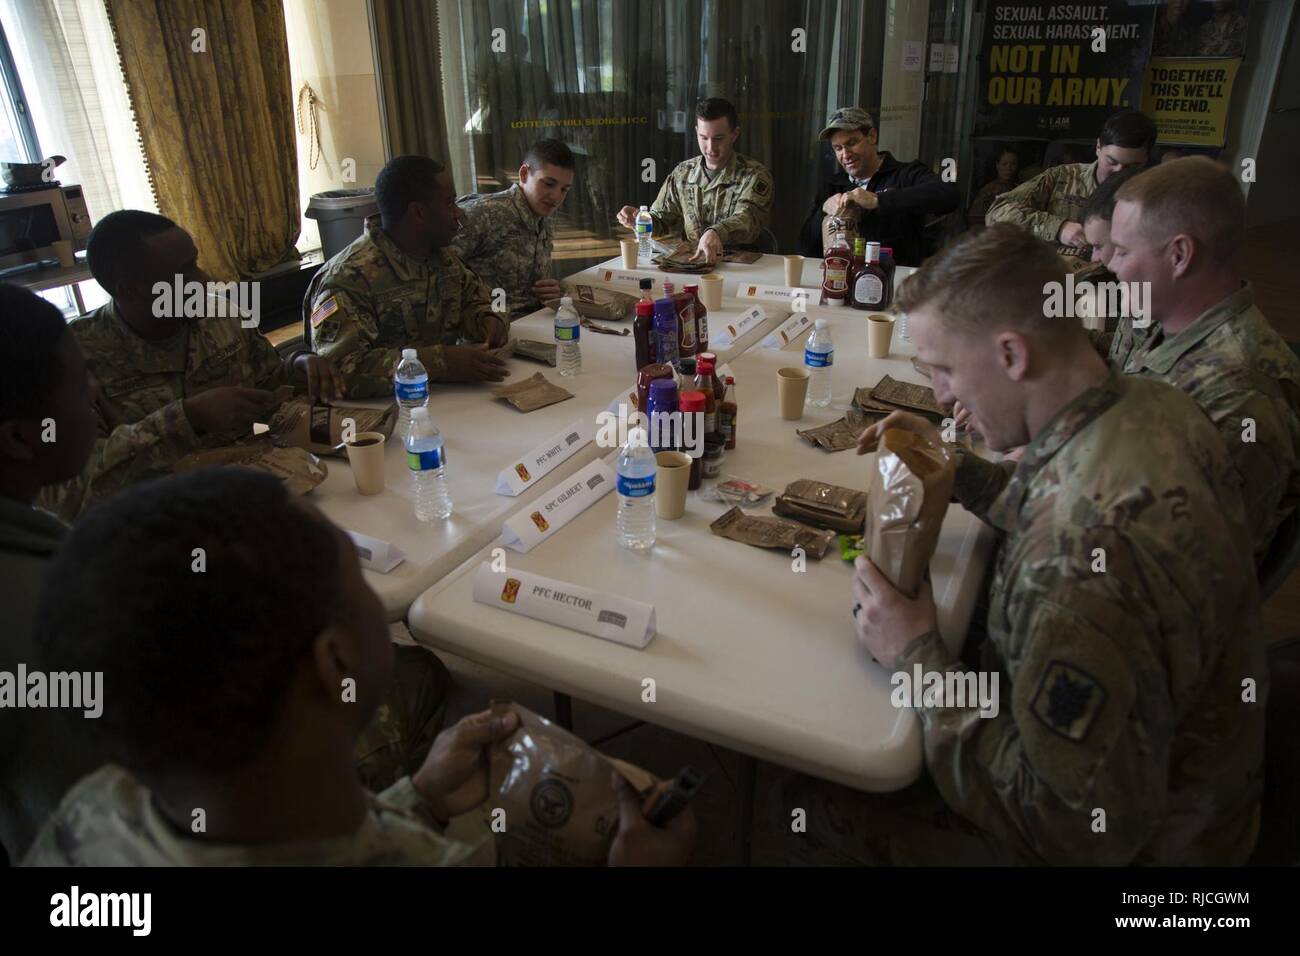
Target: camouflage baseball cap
[{"x": 849, "y": 117}]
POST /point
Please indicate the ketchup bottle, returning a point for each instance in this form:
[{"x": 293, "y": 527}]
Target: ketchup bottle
[{"x": 835, "y": 271}]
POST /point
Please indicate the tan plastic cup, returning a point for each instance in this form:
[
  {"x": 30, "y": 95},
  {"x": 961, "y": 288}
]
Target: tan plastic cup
[
  {"x": 792, "y": 386},
  {"x": 672, "y": 475},
  {"x": 629, "y": 250},
  {"x": 880, "y": 333},
  {"x": 366, "y": 455},
  {"x": 793, "y": 270},
  {"x": 63, "y": 249},
  {"x": 711, "y": 291}
]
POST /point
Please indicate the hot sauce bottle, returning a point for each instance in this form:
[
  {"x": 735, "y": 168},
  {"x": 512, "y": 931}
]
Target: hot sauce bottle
[{"x": 727, "y": 412}]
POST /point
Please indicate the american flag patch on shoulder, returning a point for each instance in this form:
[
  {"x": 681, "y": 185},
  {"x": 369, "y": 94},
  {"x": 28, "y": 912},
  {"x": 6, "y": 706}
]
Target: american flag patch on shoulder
[{"x": 323, "y": 311}]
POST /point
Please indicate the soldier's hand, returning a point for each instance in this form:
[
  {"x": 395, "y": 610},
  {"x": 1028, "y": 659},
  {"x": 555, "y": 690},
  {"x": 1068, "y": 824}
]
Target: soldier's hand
[
  {"x": 230, "y": 408},
  {"x": 639, "y": 842},
  {"x": 864, "y": 198},
  {"x": 324, "y": 381},
  {"x": 454, "y": 776},
  {"x": 886, "y": 619},
  {"x": 627, "y": 216},
  {"x": 547, "y": 290},
  {"x": 961, "y": 416},
  {"x": 907, "y": 421},
  {"x": 471, "y": 363},
  {"x": 1071, "y": 234},
  {"x": 709, "y": 247}
]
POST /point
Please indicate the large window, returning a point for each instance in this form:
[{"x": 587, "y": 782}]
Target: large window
[{"x": 618, "y": 81}]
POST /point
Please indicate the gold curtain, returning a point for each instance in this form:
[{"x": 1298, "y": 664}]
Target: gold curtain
[
  {"x": 410, "y": 76},
  {"x": 215, "y": 113}
]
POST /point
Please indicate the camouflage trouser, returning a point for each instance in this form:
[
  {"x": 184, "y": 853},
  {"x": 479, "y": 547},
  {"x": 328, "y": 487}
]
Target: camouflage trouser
[
  {"x": 910, "y": 827},
  {"x": 399, "y": 737}
]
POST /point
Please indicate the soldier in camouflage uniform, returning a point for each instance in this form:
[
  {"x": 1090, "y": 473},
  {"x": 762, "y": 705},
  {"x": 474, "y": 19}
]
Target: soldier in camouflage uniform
[
  {"x": 1207, "y": 336},
  {"x": 719, "y": 200},
  {"x": 225, "y": 695},
  {"x": 166, "y": 385},
  {"x": 400, "y": 286},
  {"x": 508, "y": 236},
  {"x": 1051, "y": 204},
  {"x": 1124, "y": 627}
]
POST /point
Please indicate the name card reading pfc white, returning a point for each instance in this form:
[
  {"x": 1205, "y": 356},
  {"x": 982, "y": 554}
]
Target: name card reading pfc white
[
  {"x": 619, "y": 277},
  {"x": 747, "y": 320},
  {"x": 570, "y": 498},
  {"x": 790, "y": 329},
  {"x": 545, "y": 458},
  {"x": 610, "y": 616}
]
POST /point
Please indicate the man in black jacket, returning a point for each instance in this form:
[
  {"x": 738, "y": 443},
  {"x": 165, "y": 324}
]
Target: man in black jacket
[{"x": 887, "y": 199}]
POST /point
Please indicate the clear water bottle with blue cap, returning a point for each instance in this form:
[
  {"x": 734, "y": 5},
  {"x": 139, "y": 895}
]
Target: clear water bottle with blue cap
[
  {"x": 818, "y": 357},
  {"x": 645, "y": 234},
  {"x": 411, "y": 386},
  {"x": 568, "y": 332},
  {"x": 426, "y": 457},
  {"x": 635, "y": 522}
]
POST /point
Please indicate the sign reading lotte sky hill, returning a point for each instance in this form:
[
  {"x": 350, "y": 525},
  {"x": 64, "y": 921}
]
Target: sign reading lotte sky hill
[{"x": 1045, "y": 74}]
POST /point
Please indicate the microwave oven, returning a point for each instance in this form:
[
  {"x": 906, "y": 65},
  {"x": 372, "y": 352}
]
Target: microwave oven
[{"x": 32, "y": 219}]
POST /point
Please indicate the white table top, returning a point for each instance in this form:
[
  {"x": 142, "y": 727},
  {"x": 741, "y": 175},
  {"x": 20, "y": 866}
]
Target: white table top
[
  {"x": 749, "y": 654},
  {"x": 484, "y": 435}
]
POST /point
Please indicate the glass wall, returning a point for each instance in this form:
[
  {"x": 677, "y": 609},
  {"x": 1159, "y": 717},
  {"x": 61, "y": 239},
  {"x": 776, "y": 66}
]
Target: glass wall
[{"x": 618, "y": 81}]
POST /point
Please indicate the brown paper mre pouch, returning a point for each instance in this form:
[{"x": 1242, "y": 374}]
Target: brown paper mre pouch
[
  {"x": 560, "y": 806},
  {"x": 299, "y": 469},
  {"x": 918, "y": 398},
  {"x": 532, "y": 393},
  {"x": 823, "y": 505},
  {"x": 841, "y": 433},
  {"x": 319, "y": 428},
  {"x": 593, "y": 302},
  {"x": 909, "y": 491},
  {"x": 764, "y": 532}
]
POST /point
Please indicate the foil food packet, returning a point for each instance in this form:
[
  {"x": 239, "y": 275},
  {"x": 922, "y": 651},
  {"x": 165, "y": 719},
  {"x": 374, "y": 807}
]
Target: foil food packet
[
  {"x": 765, "y": 532},
  {"x": 560, "y": 806},
  {"x": 822, "y": 504},
  {"x": 909, "y": 491},
  {"x": 319, "y": 428},
  {"x": 297, "y": 468},
  {"x": 592, "y": 302}
]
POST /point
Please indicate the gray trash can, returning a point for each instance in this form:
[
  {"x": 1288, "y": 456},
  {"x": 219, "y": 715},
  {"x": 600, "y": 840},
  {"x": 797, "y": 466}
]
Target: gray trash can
[{"x": 341, "y": 215}]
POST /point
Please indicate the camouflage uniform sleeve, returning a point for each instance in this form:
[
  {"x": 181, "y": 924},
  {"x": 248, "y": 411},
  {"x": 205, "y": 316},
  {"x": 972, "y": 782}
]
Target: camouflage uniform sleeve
[
  {"x": 980, "y": 482},
  {"x": 753, "y": 211},
  {"x": 477, "y": 320},
  {"x": 1260, "y": 443},
  {"x": 667, "y": 208},
  {"x": 127, "y": 454},
  {"x": 463, "y": 842},
  {"x": 1026, "y": 205},
  {"x": 270, "y": 371},
  {"x": 344, "y": 329},
  {"x": 1076, "y": 769},
  {"x": 469, "y": 242}
]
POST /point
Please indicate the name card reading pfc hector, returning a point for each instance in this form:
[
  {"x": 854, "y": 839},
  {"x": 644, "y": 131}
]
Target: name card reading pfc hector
[
  {"x": 545, "y": 458},
  {"x": 610, "y": 616},
  {"x": 570, "y": 498}
]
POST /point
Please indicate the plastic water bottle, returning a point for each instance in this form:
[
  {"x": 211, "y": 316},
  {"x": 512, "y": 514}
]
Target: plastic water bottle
[
  {"x": 411, "y": 385},
  {"x": 636, "y": 493},
  {"x": 568, "y": 330},
  {"x": 818, "y": 357},
  {"x": 645, "y": 233},
  {"x": 901, "y": 325},
  {"x": 427, "y": 459}
]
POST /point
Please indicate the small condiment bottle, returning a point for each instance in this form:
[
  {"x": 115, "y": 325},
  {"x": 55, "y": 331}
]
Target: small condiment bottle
[
  {"x": 647, "y": 287},
  {"x": 646, "y": 375},
  {"x": 703, "y": 382},
  {"x": 727, "y": 413},
  {"x": 692, "y": 404},
  {"x": 662, "y": 403},
  {"x": 712, "y": 467},
  {"x": 643, "y": 332}
]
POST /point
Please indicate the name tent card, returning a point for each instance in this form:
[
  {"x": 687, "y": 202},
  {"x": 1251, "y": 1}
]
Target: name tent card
[
  {"x": 735, "y": 328},
  {"x": 609, "y": 616},
  {"x": 791, "y": 329},
  {"x": 794, "y": 297},
  {"x": 570, "y": 498},
  {"x": 622, "y": 277},
  {"x": 375, "y": 554},
  {"x": 545, "y": 458}
]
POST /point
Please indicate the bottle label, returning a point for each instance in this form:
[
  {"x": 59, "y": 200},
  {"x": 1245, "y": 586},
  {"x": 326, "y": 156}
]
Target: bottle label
[
  {"x": 868, "y": 289},
  {"x": 837, "y": 275},
  {"x": 644, "y": 229},
  {"x": 818, "y": 359},
  {"x": 710, "y": 423},
  {"x": 567, "y": 333},
  {"x": 636, "y": 487},
  {"x": 412, "y": 391},
  {"x": 426, "y": 460}
]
